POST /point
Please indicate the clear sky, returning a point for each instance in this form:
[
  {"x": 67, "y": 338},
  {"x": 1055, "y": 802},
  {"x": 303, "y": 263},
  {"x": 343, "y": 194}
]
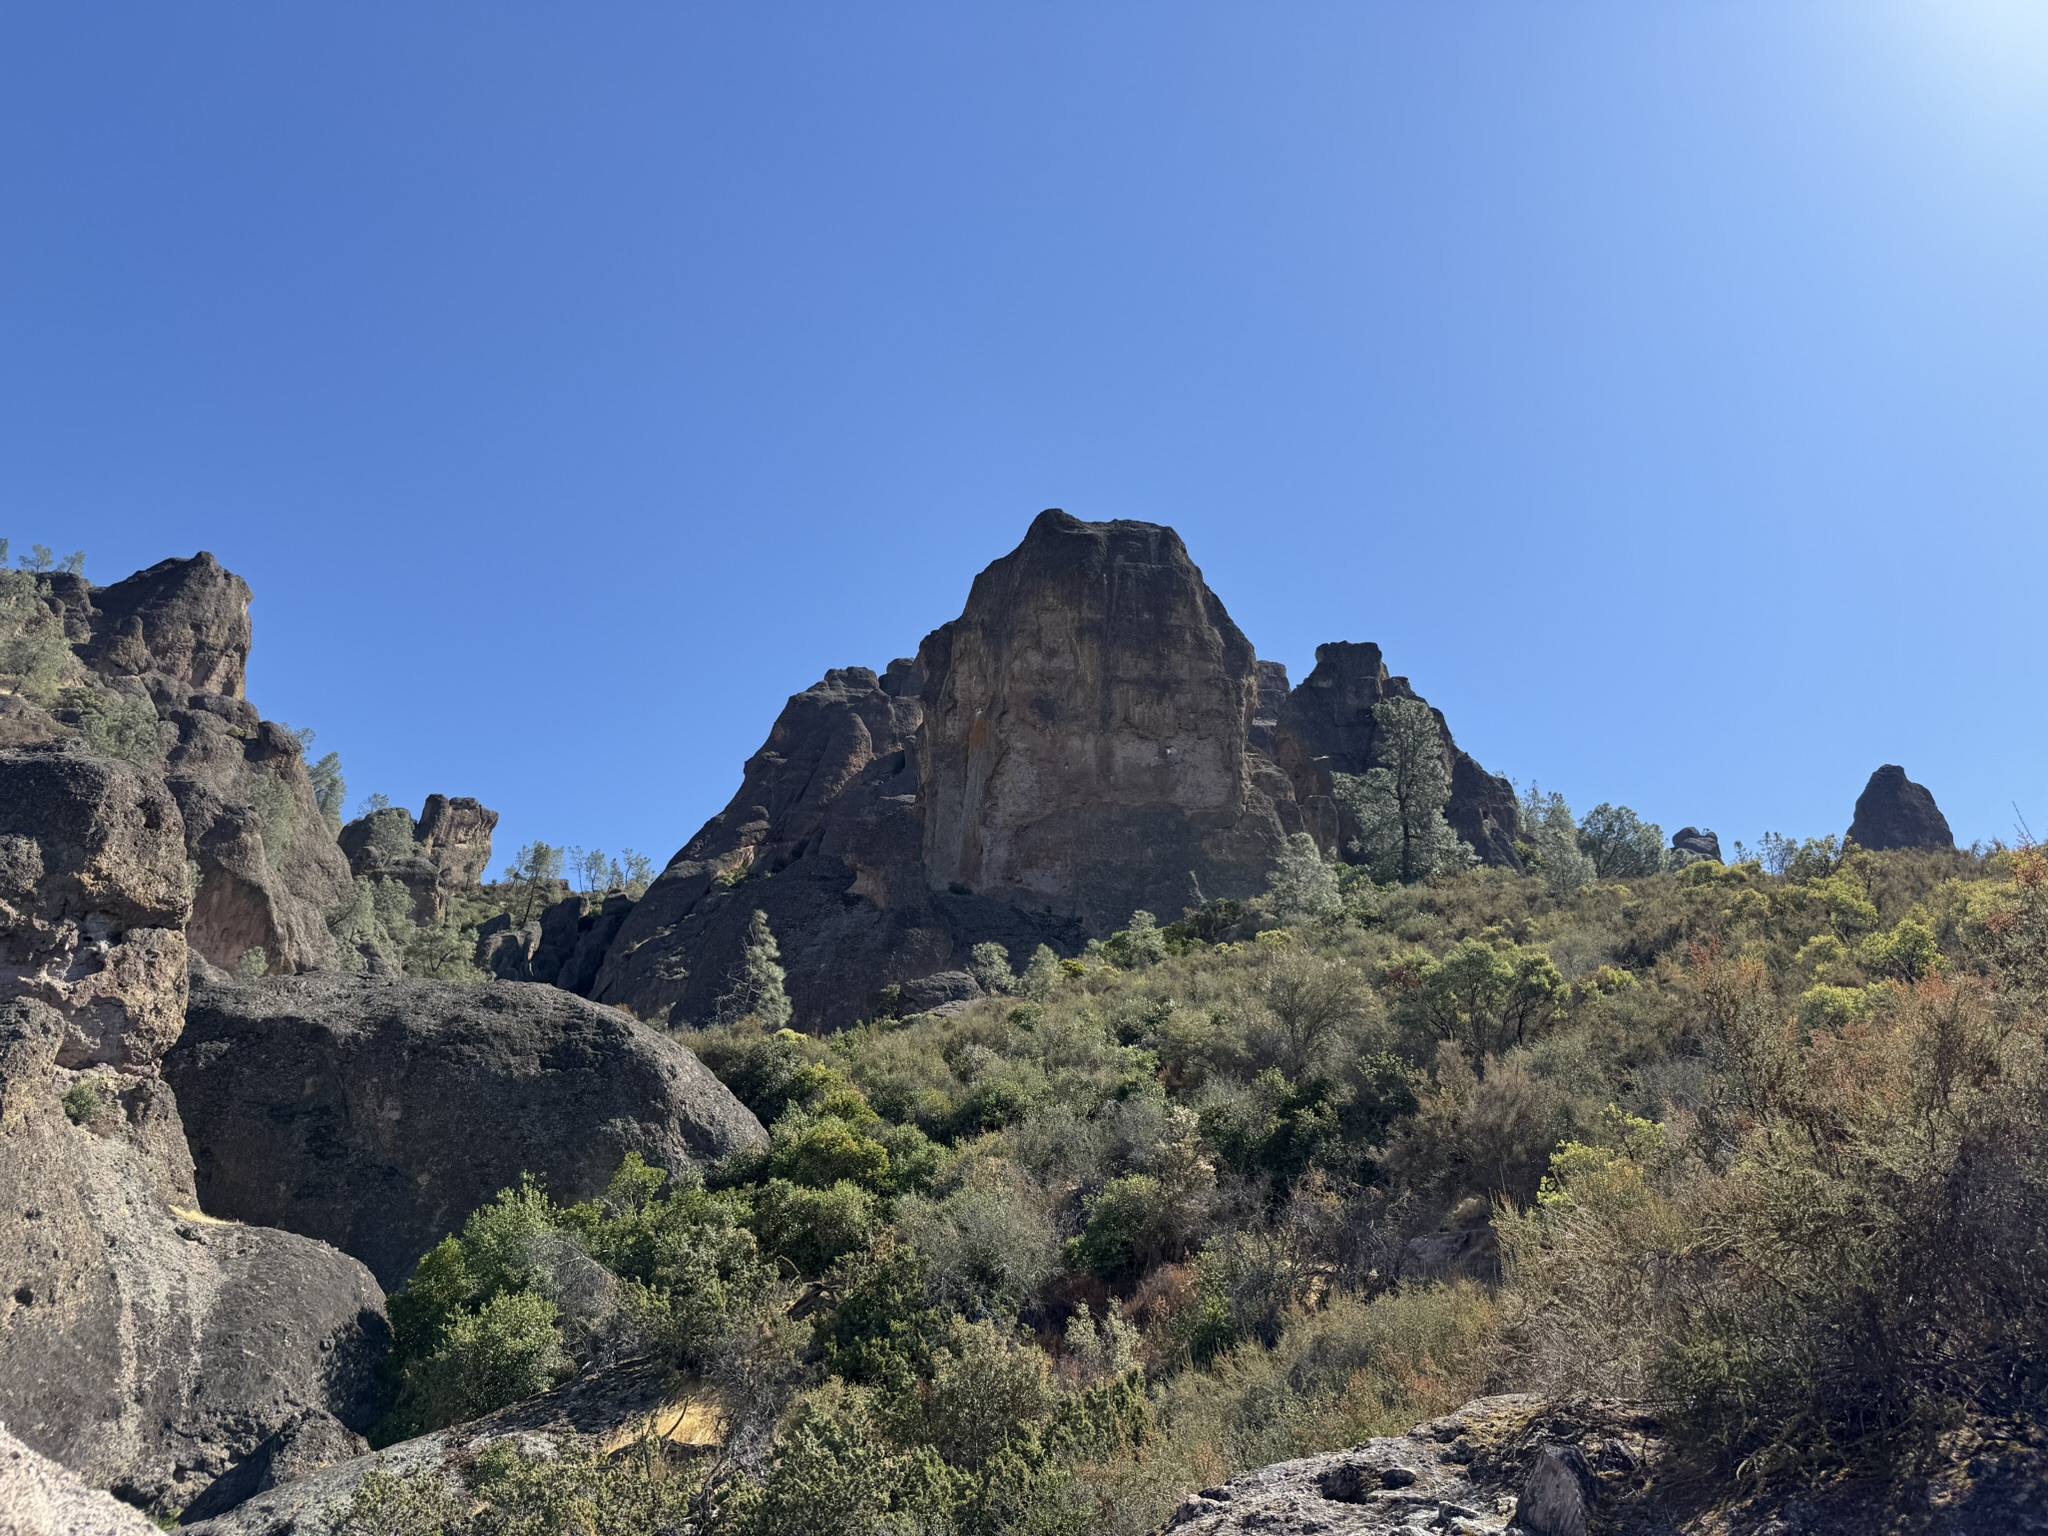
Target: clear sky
[{"x": 1664, "y": 386}]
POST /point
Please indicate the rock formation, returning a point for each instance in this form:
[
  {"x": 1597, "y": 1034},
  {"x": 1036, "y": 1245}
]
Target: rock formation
[
  {"x": 375, "y": 1114},
  {"x": 93, "y": 901},
  {"x": 40, "y": 1498},
  {"x": 1091, "y": 736},
  {"x": 146, "y": 1347},
  {"x": 447, "y": 850},
  {"x": 1086, "y": 746},
  {"x": 1894, "y": 812},
  {"x": 1700, "y": 843},
  {"x": 153, "y": 668},
  {"x": 1326, "y": 727}
]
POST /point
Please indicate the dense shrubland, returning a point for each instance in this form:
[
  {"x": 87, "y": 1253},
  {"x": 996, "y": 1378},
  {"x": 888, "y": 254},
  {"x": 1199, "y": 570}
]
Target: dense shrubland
[{"x": 1768, "y": 1150}]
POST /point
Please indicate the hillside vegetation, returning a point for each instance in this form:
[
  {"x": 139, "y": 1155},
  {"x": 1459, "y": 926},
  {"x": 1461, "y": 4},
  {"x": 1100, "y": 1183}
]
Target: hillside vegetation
[{"x": 1765, "y": 1148}]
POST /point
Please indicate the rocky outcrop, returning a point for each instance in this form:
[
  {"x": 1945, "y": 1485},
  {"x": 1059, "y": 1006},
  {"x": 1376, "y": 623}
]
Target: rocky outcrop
[
  {"x": 1523, "y": 1466},
  {"x": 1894, "y": 812},
  {"x": 824, "y": 836},
  {"x": 93, "y": 901},
  {"x": 1093, "y": 735},
  {"x": 146, "y": 1347},
  {"x": 173, "y": 642},
  {"x": 606, "y": 1407},
  {"x": 564, "y": 947},
  {"x": 1698, "y": 842},
  {"x": 1086, "y": 741},
  {"x": 40, "y": 1498},
  {"x": 181, "y": 627},
  {"x": 447, "y": 850},
  {"x": 375, "y": 1114},
  {"x": 1435, "y": 1477},
  {"x": 1326, "y": 727}
]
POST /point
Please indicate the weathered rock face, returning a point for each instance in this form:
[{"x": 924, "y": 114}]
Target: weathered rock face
[
  {"x": 1326, "y": 727},
  {"x": 146, "y": 1347},
  {"x": 1086, "y": 745},
  {"x": 182, "y": 627},
  {"x": 1700, "y": 843},
  {"x": 823, "y": 836},
  {"x": 1894, "y": 812},
  {"x": 447, "y": 850},
  {"x": 1093, "y": 735},
  {"x": 40, "y": 1498},
  {"x": 174, "y": 640},
  {"x": 376, "y": 1114},
  {"x": 93, "y": 901}
]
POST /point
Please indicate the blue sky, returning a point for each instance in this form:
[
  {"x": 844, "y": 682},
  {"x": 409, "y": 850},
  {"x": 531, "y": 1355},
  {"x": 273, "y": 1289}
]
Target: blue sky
[{"x": 1663, "y": 386}]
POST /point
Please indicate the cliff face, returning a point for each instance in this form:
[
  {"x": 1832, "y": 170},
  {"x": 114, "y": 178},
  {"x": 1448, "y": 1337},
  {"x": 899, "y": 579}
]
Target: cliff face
[
  {"x": 1086, "y": 743},
  {"x": 154, "y": 669},
  {"x": 1093, "y": 735}
]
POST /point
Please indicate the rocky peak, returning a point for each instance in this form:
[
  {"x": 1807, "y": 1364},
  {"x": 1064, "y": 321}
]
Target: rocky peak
[
  {"x": 1326, "y": 727},
  {"x": 1894, "y": 812},
  {"x": 182, "y": 626},
  {"x": 1087, "y": 720}
]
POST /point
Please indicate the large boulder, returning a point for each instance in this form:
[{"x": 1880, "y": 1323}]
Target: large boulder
[
  {"x": 1087, "y": 720},
  {"x": 1894, "y": 812},
  {"x": 447, "y": 850},
  {"x": 40, "y": 1498},
  {"x": 94, "y": 896},
  {"x": 148, "y": 1348},
  {"x": 377, "y": 1113},
  {"x": 1699, "y": 842}
]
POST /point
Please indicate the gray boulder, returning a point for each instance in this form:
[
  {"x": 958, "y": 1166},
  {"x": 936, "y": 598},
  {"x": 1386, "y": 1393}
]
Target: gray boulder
[
  {"x": 1700, "y": 842},
  {"x": 1894, "y": 812},
  {"x": 377, "y": 1113},
  {"x": 147, "y": 1347},
  {"x": 40, "y": 1498}
]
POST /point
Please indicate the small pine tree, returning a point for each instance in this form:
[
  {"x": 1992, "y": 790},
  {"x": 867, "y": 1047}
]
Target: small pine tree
[
  {"x": 1399, "y": 803},
  {"x": 1303, "y": 887},
  {"x": 990, "y": 965},
  {"x": 1042, "y": 975},
  {"x": 757, "y": 981}
]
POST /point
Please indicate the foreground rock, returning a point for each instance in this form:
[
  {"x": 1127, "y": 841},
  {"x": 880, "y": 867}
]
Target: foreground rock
[
  {"x": 144, "y": 1346},
  {"x": 40, "y": 1498},
  {"x": 1521, "y": 1466},
  {"x": 93, "y": 902},
  {"x": 607, "y": 1408},
  {"x": 1894, "y": 812},
  {"x": 1091, "y": 736},
  {"x": 376, "y": 1113}
]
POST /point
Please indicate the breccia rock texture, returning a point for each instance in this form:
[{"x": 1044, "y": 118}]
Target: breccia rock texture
[
  {"x": 1093, "y": 735},
  {"x": 377, "y": 1113},
  {"x": 94, "y": 897},
  {"x": 447, "y": 850},
  {"x": 146, "y": 1347},
  {"x": 1894, "y": 812}
]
